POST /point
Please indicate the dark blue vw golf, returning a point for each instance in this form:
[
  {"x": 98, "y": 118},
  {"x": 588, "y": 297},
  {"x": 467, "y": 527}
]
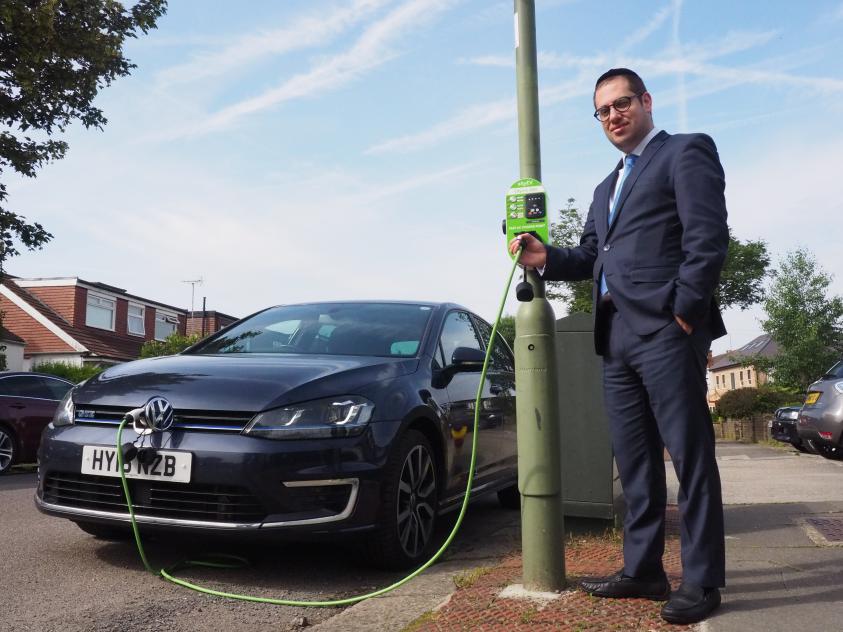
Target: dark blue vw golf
[{"x": 300, "y": 420}]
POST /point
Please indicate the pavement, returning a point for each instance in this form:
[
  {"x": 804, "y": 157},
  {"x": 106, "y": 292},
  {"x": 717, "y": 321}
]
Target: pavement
[{"x": 784, "y": 560}]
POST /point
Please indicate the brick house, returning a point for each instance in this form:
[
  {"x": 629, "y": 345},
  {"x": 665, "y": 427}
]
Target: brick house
[
  {"x": 205, "y": 323},
  {"x": 75, "y": 321},
  {"x": 727, "y": 371}
]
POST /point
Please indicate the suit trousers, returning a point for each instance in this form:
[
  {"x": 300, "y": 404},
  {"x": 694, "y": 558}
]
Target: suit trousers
[{"x": 655, "y": 396}]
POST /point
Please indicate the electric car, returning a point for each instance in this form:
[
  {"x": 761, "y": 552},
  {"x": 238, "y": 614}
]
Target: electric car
[
  {"x": 821, "y": 418},
  {"x": 298, "y": 421}
]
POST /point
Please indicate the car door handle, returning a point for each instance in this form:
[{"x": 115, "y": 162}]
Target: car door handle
[
  {"x": 18, "y": 406},
  {"x": 496, "y": 390}
]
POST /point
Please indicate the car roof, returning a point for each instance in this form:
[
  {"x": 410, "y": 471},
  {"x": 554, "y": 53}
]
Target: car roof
[{"x": 5, "y": 374}]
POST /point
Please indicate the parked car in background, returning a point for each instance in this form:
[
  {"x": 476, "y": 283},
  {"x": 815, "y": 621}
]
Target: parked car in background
[
  {"x": 783, "y": 427},
  {"x": 320, "y": 419},
  {"x": 27, "y": 404},
  {"x": 821, "y": 418}
]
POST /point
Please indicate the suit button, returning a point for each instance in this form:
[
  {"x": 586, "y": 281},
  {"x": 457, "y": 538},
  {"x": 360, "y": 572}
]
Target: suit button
[{"x": 607, "y": 247}]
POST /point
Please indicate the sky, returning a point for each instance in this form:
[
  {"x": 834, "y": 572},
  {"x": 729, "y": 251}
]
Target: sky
[{"x": 361, "y": 149}]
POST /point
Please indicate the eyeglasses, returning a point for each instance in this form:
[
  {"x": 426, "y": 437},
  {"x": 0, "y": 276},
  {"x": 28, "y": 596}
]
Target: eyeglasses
[{"x": 621, "y": 105}]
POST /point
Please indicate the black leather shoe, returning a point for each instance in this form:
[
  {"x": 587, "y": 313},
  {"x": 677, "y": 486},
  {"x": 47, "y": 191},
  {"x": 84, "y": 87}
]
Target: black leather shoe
[
  {"x": 620, "y": 586},
  {"x": 690, "y": 604}
]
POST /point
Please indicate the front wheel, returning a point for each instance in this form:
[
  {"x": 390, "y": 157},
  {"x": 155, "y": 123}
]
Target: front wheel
[
  {"x": 8, "y": 450},
  {"x": 409, "y": 500}
]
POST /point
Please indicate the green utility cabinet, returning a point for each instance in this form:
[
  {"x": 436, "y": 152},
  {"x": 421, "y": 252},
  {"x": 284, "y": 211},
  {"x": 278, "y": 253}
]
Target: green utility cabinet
[{"x": 590, "y": 487}]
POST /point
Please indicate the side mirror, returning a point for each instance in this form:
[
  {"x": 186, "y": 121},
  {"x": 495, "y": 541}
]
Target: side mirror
[
  {"x": 463, "y": 360},
  {"x": 466, "y": 359}
]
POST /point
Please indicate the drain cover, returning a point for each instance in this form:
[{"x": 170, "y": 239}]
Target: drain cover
[{"x": 829, "y": 528}]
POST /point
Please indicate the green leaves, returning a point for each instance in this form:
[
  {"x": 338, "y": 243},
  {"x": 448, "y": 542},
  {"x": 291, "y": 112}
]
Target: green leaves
[
  {"x": 174, "y": 343},
  {"x": 805, "y": 322},
  {"x": 565, "y": 233}
]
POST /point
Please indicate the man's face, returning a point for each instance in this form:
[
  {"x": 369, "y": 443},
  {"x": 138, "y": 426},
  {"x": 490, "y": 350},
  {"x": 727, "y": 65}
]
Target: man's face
[{"x": 624, "y": 129}]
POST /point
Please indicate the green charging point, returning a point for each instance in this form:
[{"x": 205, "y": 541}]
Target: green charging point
[{"x": 526, "y": 210}]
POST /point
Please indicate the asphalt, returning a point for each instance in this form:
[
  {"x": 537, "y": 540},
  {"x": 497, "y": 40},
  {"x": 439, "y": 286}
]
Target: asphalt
[{"x": 784, "y": 563}]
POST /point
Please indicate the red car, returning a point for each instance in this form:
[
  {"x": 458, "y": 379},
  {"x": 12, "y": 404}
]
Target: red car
[{"x": 27, "y": 404}]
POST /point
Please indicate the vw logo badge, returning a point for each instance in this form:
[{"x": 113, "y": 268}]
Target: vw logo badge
[{"x": 159, "y": 413}]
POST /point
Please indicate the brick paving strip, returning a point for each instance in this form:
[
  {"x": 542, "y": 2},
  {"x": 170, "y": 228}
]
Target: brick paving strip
[{"x": 478, "y": 606}]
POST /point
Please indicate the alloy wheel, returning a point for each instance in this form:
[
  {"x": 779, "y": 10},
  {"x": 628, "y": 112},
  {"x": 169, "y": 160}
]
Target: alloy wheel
[
  {"x": 7, "y": 450},
  {"x": 416, "y": 501}
]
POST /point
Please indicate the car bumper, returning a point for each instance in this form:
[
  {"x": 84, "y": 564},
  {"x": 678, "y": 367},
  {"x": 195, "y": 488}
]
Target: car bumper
[
  {"x": 237, "y": 483},
  {"x": 820, "y": 426},
  {"x": 784, "y": 431}
]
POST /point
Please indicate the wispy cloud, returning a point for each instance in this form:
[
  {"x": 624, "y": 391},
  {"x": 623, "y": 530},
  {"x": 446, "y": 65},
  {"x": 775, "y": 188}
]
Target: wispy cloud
[
  {"x": 373, "y": 48},
  {"x": 676, "y": 45},
  {"x": 304, "y": 31},
  {"x": 547, "y": 60},
  {"x": 838, "y": 14},
  {"x": 645, "y": 31}
]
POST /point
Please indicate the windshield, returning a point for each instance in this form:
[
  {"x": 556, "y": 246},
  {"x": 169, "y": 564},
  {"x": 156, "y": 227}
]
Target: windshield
[
  {"x": 835, "y": 372},
  {"x": 376, "y": 329}
]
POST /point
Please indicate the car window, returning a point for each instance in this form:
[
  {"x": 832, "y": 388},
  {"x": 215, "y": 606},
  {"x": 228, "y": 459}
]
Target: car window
[
  {"x": 835, "y": 372},
  {"x": 378, "y": 329},
  {"x": 24, "y": 386},
  {"x": 458, "y": 331},
  {"x": 501, "y": 355},
  {"x": 56, "y": 388}
]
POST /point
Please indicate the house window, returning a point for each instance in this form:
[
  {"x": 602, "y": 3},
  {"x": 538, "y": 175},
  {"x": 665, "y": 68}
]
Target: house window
[
  {"x": 135, "y": 322},
  {"x": 748, "y": 377},
  {"x": 100, "y": 312},
  {"x": 165, "y": 324},
  {"x": 732, "y": 374}
]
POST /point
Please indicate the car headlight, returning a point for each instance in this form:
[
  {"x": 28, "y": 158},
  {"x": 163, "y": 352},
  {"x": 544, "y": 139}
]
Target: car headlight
[
  {"x": 66, "y": 412},
  {"x": 343, "y": 416},
  {"x": 838, "y": 386}
]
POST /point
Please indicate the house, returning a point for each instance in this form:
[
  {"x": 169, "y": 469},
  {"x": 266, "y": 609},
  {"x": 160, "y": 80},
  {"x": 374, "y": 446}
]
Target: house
[
  {"x": 205, "y": 323},
  {"x": 728, "y": 371},
  {"x": 68, "y": 319},
  {"x": 13, "y": 349}
]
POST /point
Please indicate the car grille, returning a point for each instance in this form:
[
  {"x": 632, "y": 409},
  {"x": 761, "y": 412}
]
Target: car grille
[
  {"x": 206, "y": 420},
  {"x": 210, "y": 503}
]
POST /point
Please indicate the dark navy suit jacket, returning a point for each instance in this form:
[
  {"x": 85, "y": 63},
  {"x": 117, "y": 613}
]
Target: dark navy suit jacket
[{"x": 663, "y": 253}]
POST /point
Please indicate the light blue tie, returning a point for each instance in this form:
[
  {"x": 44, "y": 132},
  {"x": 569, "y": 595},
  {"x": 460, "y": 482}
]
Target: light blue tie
[{"x": 629, "y": 161}]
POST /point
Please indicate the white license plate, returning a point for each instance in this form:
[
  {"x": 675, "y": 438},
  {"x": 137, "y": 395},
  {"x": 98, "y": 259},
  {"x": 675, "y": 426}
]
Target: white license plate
[{"x": 168, "y": 465}]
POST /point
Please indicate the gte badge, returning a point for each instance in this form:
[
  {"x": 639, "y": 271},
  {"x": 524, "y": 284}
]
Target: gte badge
[{"x": 526, "y": 210}]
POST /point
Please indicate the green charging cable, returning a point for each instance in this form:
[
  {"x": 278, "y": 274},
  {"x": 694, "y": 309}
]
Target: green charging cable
[{"x": 229, "y": 561}]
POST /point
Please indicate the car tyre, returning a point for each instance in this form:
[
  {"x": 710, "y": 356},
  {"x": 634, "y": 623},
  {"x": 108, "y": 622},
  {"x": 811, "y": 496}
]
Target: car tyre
[
  {"x": 105, "y": 531},
  {"x": 510, "y": 497},
  {"x": 8, "y": 449},
  {"x": 409, "y": 503}
]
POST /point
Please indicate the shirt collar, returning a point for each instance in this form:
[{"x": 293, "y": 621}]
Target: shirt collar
[{"x": 639, "y": 149}]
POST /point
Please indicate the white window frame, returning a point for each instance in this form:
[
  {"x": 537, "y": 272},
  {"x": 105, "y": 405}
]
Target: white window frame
[
  {"x": 166, "y": 317},
  {"x": 142, "y": 317},
  {"x": 97, "y": 300}
]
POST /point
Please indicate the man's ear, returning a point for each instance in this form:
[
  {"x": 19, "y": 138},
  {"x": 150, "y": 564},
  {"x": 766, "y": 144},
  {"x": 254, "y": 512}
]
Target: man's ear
[{"x": 647, "y": 102}]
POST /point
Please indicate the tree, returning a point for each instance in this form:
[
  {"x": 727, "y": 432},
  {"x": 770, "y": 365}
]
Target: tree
[
  {"x": 68, "y": 371},
  {"x": 565, "y": 233},
  {"x": 803, "y": 320},
  {"x": 172, "y": 344},
  {"x": 744, "y": 403},
  {"x": 55, "y": 56},
  {"x": 741, "y": 281},
  {"x": 506, "y": 328}
]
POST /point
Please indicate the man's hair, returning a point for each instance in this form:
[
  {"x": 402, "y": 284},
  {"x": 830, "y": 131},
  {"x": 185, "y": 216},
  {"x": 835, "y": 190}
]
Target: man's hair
[{"x": 635, "y": 82}]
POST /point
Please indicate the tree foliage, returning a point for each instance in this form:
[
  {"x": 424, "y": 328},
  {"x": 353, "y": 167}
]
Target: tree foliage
[
  {"x": 506, "y": 328},
  {"x": 565, "y": 233},
  {"x": 70, "y": 372},
  {"x": 803, "y": 320},
  {"x": 55, "y": 56},
  {"x": 741, "y": 281},
  {"x": 172, "y": 344},
  {"x": 744, "y": 403}
]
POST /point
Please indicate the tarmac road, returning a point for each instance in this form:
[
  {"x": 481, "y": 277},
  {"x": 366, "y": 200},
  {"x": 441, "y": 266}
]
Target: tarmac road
[{"x": 54, "y": 577}]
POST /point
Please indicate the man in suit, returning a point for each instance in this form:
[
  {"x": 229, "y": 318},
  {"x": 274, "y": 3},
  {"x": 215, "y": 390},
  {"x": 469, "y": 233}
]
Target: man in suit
[{"x": 654, "y": 243}]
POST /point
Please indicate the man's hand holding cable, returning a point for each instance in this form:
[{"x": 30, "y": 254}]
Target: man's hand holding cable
[{"x": 534, "y": 254}]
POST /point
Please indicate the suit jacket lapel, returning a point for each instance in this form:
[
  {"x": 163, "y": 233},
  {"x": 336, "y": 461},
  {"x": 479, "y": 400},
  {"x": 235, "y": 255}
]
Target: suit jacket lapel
[{"x": 643, "y": 160}]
